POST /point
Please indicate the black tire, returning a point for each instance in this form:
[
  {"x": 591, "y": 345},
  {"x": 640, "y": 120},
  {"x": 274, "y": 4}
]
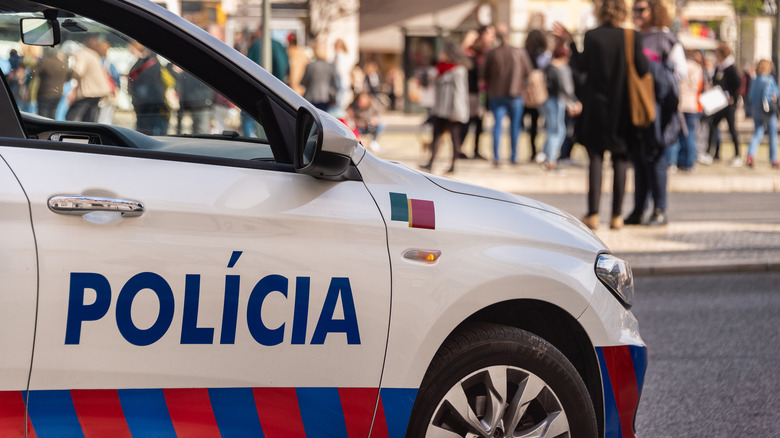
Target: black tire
[{"x": 463, "y": 373}]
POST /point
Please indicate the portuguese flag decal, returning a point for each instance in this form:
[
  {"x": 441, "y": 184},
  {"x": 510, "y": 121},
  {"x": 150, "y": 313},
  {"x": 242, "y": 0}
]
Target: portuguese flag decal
[{"x": 418, "y": 213}]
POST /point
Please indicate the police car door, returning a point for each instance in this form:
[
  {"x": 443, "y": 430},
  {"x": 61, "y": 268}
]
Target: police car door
[
  {"x": 18, "y": 291},
  {"x": 183, "y": 292}
]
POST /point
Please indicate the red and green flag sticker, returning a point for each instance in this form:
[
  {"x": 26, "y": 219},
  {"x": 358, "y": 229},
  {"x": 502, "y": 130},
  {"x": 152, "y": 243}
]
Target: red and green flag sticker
[{"x": 418, "y": 213}]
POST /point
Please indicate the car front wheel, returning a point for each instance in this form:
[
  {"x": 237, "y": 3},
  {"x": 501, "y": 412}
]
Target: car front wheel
[{"x": 499, "y": 381}]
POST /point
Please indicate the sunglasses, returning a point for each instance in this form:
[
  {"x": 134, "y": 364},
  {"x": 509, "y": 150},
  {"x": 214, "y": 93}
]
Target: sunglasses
[{"x": 639, "y": 10}]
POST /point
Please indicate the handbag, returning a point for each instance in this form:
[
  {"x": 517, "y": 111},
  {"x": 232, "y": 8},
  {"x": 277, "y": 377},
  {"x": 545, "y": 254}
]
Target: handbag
[
  {"x": 713, "y": 100},
  {"x": 641, "y": 93}
]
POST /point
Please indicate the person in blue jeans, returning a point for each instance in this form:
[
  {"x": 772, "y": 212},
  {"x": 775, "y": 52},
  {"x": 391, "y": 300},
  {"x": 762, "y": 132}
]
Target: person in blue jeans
[
  {"x": 501, "y": 107},
  {"x": 763, "y": 92},
  {"x": 560, "y": 86},
  {"x": 683, "y": 153},
  {"x": 505, "y": 72}
]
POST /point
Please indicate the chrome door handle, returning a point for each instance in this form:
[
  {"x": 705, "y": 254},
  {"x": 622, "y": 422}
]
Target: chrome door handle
[{"x": 80, "y": 205}]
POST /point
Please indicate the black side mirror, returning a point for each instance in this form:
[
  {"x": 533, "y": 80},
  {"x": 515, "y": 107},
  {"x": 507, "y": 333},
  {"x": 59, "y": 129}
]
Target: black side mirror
[
  {"x": 41, "y": 31},
  {"x": 308, "y": 139}
]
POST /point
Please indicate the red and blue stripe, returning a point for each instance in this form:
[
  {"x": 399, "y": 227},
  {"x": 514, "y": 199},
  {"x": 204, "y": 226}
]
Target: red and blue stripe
[
  {"x": 208, "y": 412},
  {"x": 623, "y": 373}
]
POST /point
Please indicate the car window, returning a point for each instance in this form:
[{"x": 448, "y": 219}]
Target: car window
[{"x": 101, "y": 87}]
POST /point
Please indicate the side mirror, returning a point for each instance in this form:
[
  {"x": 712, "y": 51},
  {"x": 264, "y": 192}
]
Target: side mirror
[
  {"x": 308, "y": 139},
  {"x": 40, "y": 31},
  {"x": 310, "y": 158}
]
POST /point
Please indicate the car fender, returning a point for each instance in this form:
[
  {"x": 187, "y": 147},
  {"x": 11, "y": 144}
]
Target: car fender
[{"x": 492, "y": 250}]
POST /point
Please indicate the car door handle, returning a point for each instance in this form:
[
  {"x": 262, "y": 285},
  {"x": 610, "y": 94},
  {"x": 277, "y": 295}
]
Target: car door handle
[{"x": 80, "y": 205}]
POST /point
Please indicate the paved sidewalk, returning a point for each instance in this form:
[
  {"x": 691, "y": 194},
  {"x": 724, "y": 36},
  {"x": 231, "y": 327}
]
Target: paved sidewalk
[{"x": 679, "y": 248}]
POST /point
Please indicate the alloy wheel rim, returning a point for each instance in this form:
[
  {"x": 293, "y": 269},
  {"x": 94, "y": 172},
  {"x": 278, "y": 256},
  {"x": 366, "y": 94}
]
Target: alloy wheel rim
[{"x": 499, "y": 401}]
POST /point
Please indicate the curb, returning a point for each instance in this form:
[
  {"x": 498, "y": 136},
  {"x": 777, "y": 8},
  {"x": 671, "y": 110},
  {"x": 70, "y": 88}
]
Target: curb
[{"x": 713, "y": 268}]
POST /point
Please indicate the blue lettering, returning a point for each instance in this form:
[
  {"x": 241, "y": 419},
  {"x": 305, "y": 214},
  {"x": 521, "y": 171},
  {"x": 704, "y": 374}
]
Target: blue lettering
[
  {"x": 124, "y": 304},
  {"x": 301, "y": 312},
  {"x": 262, "y": 334},
  {"x": 77, "y": 310},
  {"x": 339, "y": 286},
  {"x": 190, "y": 332},
  {"x": 230, "y": 310},
  {"x": 339, "y": 291}
]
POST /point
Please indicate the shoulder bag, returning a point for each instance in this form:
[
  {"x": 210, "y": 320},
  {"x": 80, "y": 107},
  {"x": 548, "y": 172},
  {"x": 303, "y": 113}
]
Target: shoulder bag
[{"x": 641, "y": 94}]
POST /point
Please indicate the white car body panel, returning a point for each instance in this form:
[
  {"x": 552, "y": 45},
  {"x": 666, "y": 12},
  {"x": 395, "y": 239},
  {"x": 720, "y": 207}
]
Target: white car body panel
[
  {"x": 491, "y": 252},
  {"x": 19, "y": 289},
  {"x": 196, "y": 216}
]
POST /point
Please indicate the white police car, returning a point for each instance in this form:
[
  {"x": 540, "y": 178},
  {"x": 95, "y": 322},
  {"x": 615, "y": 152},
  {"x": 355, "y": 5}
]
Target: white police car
[{"x": 183, "y": 268}]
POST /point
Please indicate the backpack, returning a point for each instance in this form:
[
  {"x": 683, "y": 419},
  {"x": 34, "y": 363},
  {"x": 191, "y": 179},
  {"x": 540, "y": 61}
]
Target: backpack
[
  {"x": 667, "y": 98},
  {"x": 535, "y": 93}
]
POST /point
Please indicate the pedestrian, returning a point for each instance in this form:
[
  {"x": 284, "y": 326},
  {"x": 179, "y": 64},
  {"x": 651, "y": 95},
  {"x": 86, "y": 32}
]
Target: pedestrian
[
  {"x": 727, "y": 77},
  {"x": 451, "y": 108},
  {"x": 606, "y": 116},
  {"x": 319, "y": 80},
  {"x": 195, "y": 99},
  {"x": 683, "y": 154},
  {"x": 763, "y": 100},
  {"x": 702, "y": 135},
  {"x": 367, "y": 112},
  {"x": 536, "y": 46},
  {"x": 669, "y": 67},
  {"x": 560, "y": 85},
  {"x": 372, "y": 79},
  {"x": 52, "y": 71},
  {"x": 298, "y": 60},
  {"x": 476, "y": 51},
  {"x": 506, "y": 71},
  {"x": 91, "y": 83},
  {"x": 280, "y": 63},
  {"x": 147, "y": 90},
  {"x": 342, "y": 63}
]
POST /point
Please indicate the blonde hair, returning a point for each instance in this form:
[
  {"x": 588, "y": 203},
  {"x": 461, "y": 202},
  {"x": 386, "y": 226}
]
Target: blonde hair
[
  {"x": 764, "y": 67},
  {"x": 611, "y": 12}
]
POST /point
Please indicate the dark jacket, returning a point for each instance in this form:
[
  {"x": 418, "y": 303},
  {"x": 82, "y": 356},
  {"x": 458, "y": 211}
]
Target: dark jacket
[
  {"x": 319, "y": 79},
  {"x": 506, "y": 70},
  {"x": 606, "y": 119},
  {"x": 729, "y": 80}
]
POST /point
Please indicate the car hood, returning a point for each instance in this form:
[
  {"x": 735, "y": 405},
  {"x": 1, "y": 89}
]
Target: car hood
[
  {"x": 394, "y": 175},
  {"x": 484, "y": 192}
]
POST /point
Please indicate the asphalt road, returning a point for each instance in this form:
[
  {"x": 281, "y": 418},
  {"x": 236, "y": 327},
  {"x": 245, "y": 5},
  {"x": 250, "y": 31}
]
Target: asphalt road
[
  {"x": 714, "y": 355},
  {"x": 727, "y": 207}
]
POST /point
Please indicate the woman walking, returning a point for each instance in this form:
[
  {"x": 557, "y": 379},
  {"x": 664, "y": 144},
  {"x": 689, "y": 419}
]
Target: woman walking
[
  {"x": 763, "y": 100},
  {"x": 451, "y": 109},
  {"x": 728, "y": 78},
  {"x": 606, "y": 114}
]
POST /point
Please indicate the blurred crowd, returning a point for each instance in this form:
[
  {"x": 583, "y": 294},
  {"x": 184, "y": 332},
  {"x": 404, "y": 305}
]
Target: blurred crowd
[
  {"x": 575, "y": 93},
  {"x": 578, "y": 93}
]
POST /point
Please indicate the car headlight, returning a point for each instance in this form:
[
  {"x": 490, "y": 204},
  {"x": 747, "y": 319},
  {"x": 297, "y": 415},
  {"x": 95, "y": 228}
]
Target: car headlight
[{"x": 616, "y": 275}]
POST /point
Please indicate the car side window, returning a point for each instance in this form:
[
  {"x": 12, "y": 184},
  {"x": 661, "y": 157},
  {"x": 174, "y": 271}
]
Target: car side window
[{"x": 101, "y": 87}]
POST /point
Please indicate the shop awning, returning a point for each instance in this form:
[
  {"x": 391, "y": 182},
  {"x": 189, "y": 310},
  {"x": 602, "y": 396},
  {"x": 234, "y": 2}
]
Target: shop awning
[{"x": 381, "y": 22}]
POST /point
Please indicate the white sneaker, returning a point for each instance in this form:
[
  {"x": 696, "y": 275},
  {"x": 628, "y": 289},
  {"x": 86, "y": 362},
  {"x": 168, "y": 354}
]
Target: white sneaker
[
  {"x": 736, "y": 162},
  {"x": 374, "y": 146},
  {"x": 540, "y": 158},
  {"x": 704, "y": 158}
]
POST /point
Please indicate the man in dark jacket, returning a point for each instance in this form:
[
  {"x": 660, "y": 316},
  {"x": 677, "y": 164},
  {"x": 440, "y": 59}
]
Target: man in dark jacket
[
  {"x": 506, "y": 71},
  {"x": 53, "y": 71}
]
